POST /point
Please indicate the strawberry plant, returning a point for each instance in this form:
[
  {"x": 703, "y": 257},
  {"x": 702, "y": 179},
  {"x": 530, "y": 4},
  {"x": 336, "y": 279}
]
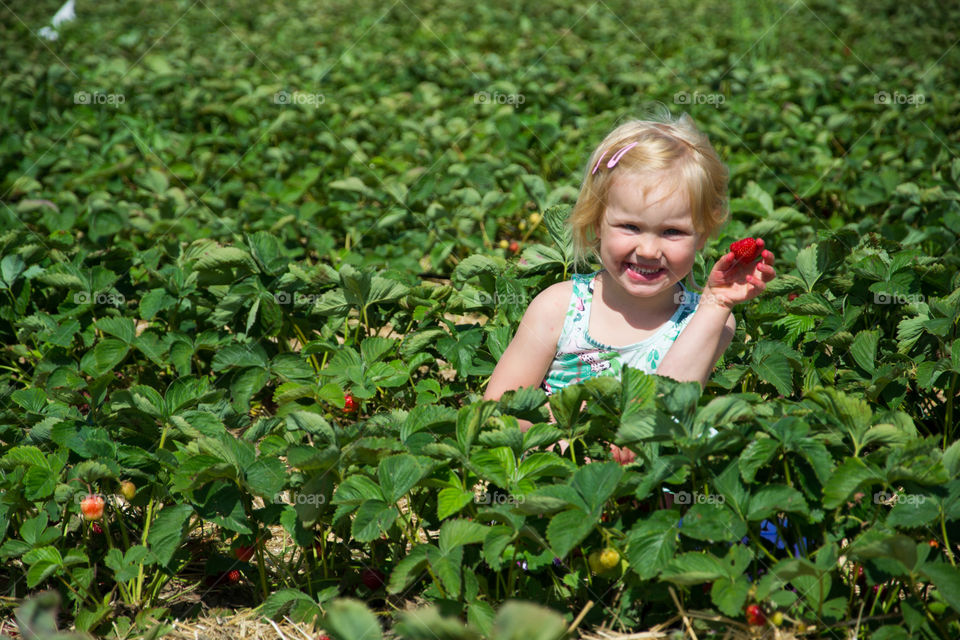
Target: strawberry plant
[{"x": 249, "y": 312}]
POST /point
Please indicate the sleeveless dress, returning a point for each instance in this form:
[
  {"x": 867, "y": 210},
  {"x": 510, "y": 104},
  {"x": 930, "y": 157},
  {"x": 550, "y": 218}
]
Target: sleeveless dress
[{"x": 580, "y": 357}]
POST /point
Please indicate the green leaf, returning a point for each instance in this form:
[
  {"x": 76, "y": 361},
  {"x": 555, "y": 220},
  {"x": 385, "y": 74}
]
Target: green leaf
[
  {"x": 451, "y": 500},
  {"x": 167, "y": 533},
  {"x": 775, "y": 369},
  {"x": 652, "y": 542},
  {"x": 947, "y": 580},
  {"x": 596, "y": 483},
  {"x": 407, "y": 570},
  {"x": 266, "y": 477},
  {"x": 104, "y": 357},
  {"x": 730, "y": 595},
  {"x": 373, "y": 518},
  {"x": 469, "y": 420},
  {"x": 809, "y": 264},
  {"x": 757, "y": 454},
  {"x": 864, "y": 349},
  {"x": 693, "y": 568},
  {"x": 349, "y": 619},
  {"x": 850, "y": 476},
  {"x": 774, "y": 499},
  {"x": 122, "y": 328},
  {"x": 567, "y": 529},
  {"x": 455, "y": 533},
  {"x": 712, "y": 521},
  {"x": 398, "y": 474},
  {"x": 526, "y": 621}
]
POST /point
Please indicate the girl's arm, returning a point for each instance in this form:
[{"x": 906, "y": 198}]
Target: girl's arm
[
  {"x": 697, "y": 349},
  {"x": 528, "y": 357}
]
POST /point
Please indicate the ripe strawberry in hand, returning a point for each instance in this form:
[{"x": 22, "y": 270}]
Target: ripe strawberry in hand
[
  {"x": 755, "y": 615},
  {"x": 746, "y": 250}
]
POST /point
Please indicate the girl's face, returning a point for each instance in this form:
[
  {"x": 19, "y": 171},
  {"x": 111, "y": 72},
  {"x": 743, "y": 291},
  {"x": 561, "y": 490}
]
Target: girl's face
[{"x": 647, "y": 239}]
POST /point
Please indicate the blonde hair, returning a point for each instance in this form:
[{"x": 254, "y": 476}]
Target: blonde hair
[{"x": 662, "y": 142}]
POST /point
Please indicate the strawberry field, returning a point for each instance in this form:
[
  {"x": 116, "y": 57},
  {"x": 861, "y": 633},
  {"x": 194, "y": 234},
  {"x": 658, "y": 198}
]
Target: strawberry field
[{"x": 258, "y": 261}]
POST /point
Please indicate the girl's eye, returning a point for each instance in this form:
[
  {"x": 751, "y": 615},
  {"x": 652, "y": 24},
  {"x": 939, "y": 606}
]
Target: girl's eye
[
  {"x": 629, "y": 227},
  {"x": 673, "y": 231}
]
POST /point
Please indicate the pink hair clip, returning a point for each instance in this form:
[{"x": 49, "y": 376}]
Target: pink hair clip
[{"x": 615, "y": 159}]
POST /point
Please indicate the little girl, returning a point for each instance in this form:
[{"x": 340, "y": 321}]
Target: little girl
[{"x": 653, "y": 192}]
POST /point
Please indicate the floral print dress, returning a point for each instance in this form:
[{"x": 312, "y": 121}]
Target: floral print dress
[{"x": 580, "y": 357}]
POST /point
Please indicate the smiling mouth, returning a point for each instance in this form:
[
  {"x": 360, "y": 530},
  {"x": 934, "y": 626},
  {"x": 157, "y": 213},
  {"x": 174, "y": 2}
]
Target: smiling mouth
[{"x": 644, "y": 271}]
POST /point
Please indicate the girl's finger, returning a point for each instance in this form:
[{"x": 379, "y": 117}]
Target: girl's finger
[{"x": 725, "y": 261}]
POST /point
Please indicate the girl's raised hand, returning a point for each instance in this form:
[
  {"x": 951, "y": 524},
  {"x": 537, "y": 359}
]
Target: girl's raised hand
[{"x": 731, "y": 281}]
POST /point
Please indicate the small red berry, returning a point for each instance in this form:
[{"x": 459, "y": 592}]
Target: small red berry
[
  {"x": 92, "y": 507},
  {"x": 373, "y": 579},
  {"x": 243, "y": 553},
  {"x": 792, "y": 296},
  {"x": 96, "y": 528},
  {"x": 349, "y": 404},
  {"x": 514, "y": 246},
  {"x": 233, "y": 576},
  {"x": 934, "y": 544},
  {"x": 745, "y": 250},
  {"x": 755, "y": 615}
]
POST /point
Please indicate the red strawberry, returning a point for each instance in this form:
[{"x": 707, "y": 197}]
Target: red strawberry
[
  {"x": 349, "y": 404},
  {"x": 745, "y": 250},
  {"x": 92, "y": 507},
  {"x": 792, "y": 296},
  {"x": 243, "y": 553},
  {"x": 233, "y": 576},
  {"x": 372, "y": 578},
  {"x": 96, "y": 528},
  {"x": 755, "y": 615},
  {"x": 514, "y": 246}
]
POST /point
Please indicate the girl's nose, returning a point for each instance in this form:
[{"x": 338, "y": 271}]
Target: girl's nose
[{"x": 647, "y": 247}]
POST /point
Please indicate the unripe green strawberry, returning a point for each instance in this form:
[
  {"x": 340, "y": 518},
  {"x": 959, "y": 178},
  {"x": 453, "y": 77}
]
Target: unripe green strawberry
[{"x": 128, "y": 489}]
